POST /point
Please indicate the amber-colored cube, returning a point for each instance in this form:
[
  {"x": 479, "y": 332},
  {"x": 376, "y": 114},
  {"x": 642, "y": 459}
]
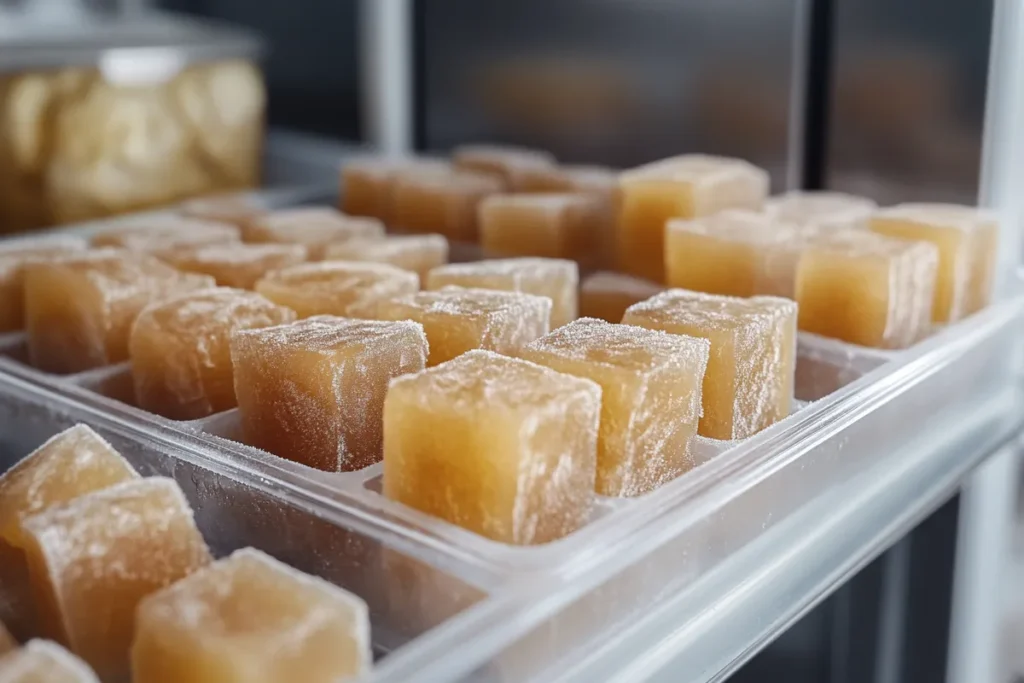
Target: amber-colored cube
[
  {"x": 313, "y": 391},
  {"x": 457, "y": 320},
  {"x": 418, "y": 253},
  {"x": 688, "y": 186},
  {"x": 366, "y": 184},
  {"x": 553, "y": 225},
  {"x": 735, "y": 253},
  {"x": 967, "y": 240},
  {"x": 496, "y": 445},
  {"x": 342, "y": 288},
  {"x": 594, "y": 179},
  {"x": 314, "y": 227},
  {"x": 606, "y": 296},
  {"x": 93, "y": 559},
  {"x": 71, "y": 464},
  {"x": 234, "y": 265},
  {"x": 160, "y": 232},
  {"x": 821, "y": 210},
  {"x": 505, "y": 162},
  {"x": 867, "y": 289},
  {"x": 14, "y": 256},
  {"x": 231, "y": 209},
  {"x": 429, "y": 201},
  {"x": 556, "y": 279},
  {"x": 650, "y": 397},
  {"x": 251, "y": 618},
  {"x": 181, "y": 354},
  {"x": 749, "y": 380},
  {"x": 7, "y": 642},
  {"x": 79, "y": 309},
  {"x": 43, "y": 661}
]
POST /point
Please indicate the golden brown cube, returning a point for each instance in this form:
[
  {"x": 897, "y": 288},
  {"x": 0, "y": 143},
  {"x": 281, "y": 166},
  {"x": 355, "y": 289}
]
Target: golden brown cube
[
  {"x": 313, "y": 391},
  {"x": 418, "y": 253},
  {"x": 342, "y": 288},
  {"x": 749, "y": 380},
  {"x": 249, "y": 618},
  {"x": 79, "y": 309},
  {"x": 42, "y": 661},
  {"x": 429, "y": 201},
  {"x": 366, "y": 184},
  {"x": 234, "y": 265},
  {"x": 496, "y": 445},
  {"x": 967, "y": 240},
  {"x": 314, "y": 227},
  {"x": 606, "y": 296},
  {"x": 867, "y": 289},
  {"x": 181, "y": 349},
  {"x": 821, "y": 210},
  {"x": 505, "y": 162},
  {"x": 231, "y": 209},
  {"x": 688, "y": 186},
  {"x": 556, "y": 279},
  {"x": 93, "y": 559},
  {"x": 551, "y": 225},
  {"x": 650, "y": 397},
  {"x": 457, "y": 320},
  {"x": 71, "y": 464},
  {"x": 160, "y": 232},
  {"x": 735, "y": 253},
  {"x": 14, "y": 256}
]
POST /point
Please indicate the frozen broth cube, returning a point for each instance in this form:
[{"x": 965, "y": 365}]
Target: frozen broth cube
[
  {"x": 418, "y": 253},
  {"x": 688, "y": 186},
  {"x": 313, "y": 227},
  {"x": 505, "y": 162},
  {"x": 967, "y": 239},
  {"x": 313, "y": 391},
  {"x": 80, "y": 308},
  {"x": 93, "y": 559},
  {"x": 564, "y": 225},
  {"x": 593, "y": 179},
  {"x": 15, "y": 255},
  {"x": 749, "y": 380},
  {"x": 42, "y": 661},
  {"x": 607, "y": 295},
  {"x": 735, "y": 253},
  {"x": 867, "y": 289},
  {"x": 249, "y": 618},
  {"x": 457, "y": 320},
  {"x": 234, "y": 265},
  {"x": 231, "y": 209},
  {"x": 821, "y": 210},
  {"x": 366, "y": 184},
  {"x": 342, "y": 288},
  {"x": 496, "y": 445},
  {"x": 650, "y": 397},
  {"x": 159, "y": 232},
  {"x": 432, "y": 201},
  {"x": 71, "y": 464},
  {"x": 556, "y": 279},
  {"x": 181, "y": 354}
]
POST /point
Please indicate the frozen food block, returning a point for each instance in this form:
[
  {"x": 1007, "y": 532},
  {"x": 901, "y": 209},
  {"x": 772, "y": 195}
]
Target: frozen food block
[
  {"x": 554, "y": 225},
  {"x": 159, "y": 232},
  {"x": 496, "y": 445},
  {"x": 749, "y": 380},
  {"x": 967, "y": 240},
  {"x": 7, "y": 642},
  {"x": 251, "y": 618},
  {"x": 79, "y": 309},
  {"x": 43, "y": 661},
  {"x": 75, "y": 462},
  {"x": 607, "y": 295},
  {"x": 867, "y": 289},
  {"x": 457, "y": 320},
  {"x": 366, "y": 184},
  {"x": 736, "y": 253},
  {"x": 313, "y": 227},
  {"x": 418, "y": 253},
  {"x": 429, "y": 201},
  {"x": 821, "y": 210},
  {"x": 234, "y": 265},
  {"x": 336, "y": 287},
  {"x": 231, "y": 209},
  {"x": 503, "y": 161},
  {"x": 687, "y": 186},
  {"x": 181, "y": 354},
  {"x": 556, "y": 279},
  {"x": 650, "y": 397},
  {"x": 14, "y": 256},
  {"x": 313, "y": 391},
  {"x": 594, "y": 179},
  {"x": 93, "y": 559}
]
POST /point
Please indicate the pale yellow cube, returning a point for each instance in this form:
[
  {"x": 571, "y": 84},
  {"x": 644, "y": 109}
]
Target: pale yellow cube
[
  {"x": 418, "y": 253},
  {"x": 314, "y": 227},
  {"x": 438, "y": 201},
  {"x": 233, "y": 209},
  {"x": 821, "y": 210},
  {"x": 234, "y": 265},
  {"x": 552, "y": 225},
  {"x": 505, "y": 162},
  {"x": 599, "y": 180},
  {"x": 607, "y": 295},
  {"x": 367, "y": 184},
  {"x": 159, "y": 232},
  {"x": 43, "y": 661},
  {"x": 342, "y": 288},
  {"x": 14, "y": 256}
]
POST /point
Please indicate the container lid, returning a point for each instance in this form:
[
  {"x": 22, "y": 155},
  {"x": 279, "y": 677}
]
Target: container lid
[{"x": 145, "y": 46}]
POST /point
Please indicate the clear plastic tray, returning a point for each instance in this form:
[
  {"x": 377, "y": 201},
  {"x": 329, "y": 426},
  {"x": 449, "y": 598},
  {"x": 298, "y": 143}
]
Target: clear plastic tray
[{"x": 708, "y": 546}]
